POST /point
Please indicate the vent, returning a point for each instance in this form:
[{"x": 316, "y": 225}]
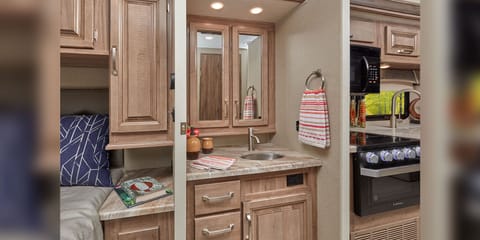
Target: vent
[{"x": 403, "y": 230}]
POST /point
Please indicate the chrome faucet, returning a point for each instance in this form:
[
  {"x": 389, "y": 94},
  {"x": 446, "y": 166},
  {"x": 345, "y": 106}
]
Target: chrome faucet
[
  {"x": 393, "y": 118},
  {"x": 251, "y": 136}
]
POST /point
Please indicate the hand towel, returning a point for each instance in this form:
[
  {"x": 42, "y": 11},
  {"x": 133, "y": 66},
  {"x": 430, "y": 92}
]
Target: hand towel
[
  {"x": 249, "y": 107},
  {"x": 216, "y": 162},
  {"x": 314, "y": 126}
]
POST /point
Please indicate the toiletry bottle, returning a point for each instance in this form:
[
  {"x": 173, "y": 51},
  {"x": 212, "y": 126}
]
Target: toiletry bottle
[{"x": 362, "y": 114}]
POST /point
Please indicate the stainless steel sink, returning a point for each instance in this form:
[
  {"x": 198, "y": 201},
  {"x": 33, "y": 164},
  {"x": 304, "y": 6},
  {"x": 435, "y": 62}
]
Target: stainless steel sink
[{"x": 262, "y": 156}]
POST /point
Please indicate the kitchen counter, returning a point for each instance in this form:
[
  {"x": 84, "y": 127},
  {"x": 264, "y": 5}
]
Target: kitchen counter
[
  {"x": 410, "y": 130},
  {"x": 291, "y": 160}
]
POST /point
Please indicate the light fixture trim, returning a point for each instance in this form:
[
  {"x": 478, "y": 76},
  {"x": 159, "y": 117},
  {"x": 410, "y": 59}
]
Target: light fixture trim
[
  {"x": 256, "y": 10},
  {"x": 217, "y": 5},
  {"x": 384, "y": 66},
  {"x": 208, "y": 37}
]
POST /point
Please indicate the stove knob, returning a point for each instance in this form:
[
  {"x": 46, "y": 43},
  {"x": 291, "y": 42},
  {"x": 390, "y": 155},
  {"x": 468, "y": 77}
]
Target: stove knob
[
  {"x": 386, "y": 156},
  {"x": 417, "y": 150},
  {"x": 398, "y": 155},
  {"x": 371, "y": 158},
  {"x": 409, "y": 153}
]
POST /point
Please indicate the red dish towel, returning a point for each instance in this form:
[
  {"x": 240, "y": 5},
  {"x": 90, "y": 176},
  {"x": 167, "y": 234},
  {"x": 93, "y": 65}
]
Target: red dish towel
[
  {"x": 314, "y": 125},
  {"x": 215, "y": 162},
  {"x": 249, "y": 107}
]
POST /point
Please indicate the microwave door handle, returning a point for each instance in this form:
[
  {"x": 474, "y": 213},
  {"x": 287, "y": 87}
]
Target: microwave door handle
[{"x": 365, "y": 77}]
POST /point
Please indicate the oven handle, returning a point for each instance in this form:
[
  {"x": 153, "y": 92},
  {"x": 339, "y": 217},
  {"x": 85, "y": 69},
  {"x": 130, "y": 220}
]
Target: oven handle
[{"x": 385, "y": 172}]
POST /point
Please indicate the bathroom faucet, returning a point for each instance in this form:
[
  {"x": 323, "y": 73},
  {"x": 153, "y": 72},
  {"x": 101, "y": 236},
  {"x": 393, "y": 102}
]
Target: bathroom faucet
[
  {"x": 251, "y": 136},
  {"x": 393, "y": 118}
]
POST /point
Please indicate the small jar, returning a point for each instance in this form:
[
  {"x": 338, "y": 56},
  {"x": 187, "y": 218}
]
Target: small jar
[
  {"x": 207, "y": 145},
  {"x": 193, "y": 147}
]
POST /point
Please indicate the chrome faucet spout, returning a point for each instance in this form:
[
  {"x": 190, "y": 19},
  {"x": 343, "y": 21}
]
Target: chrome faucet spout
[
  {"x": 393, "y": 118},
  {"x": 251, "y": 144}
]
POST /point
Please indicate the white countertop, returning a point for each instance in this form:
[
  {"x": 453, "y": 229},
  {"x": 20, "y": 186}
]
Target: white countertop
[{"x": 406, "y": 130}]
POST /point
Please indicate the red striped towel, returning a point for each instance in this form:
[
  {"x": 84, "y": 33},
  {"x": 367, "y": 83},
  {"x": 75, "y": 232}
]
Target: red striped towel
[
  {"x": 216, "y": 162},
  {"x": 249, "y": 107},
  {"x": 314, "y": 126}
]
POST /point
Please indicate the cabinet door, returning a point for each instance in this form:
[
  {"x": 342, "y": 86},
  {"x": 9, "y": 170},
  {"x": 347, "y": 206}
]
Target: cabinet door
[
  {"x": 76, "y": 24},
  {"x": 364, "y": 33},
  {"x": 279, "y": 218},
  {"x": 250, "y": 69},
  {"x": 209, "y": 75},
  {"x": 138, "y": 81},
  {"x": 402, "y": 41}
]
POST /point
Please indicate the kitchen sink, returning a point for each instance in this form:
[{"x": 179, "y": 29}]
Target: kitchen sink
[{"x": 262, "y": 156}]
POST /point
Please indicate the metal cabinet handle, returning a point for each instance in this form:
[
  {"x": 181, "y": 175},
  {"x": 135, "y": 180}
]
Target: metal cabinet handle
[
  {"x": 226, "y": 109},
  {"x": 405, "y": 51},
  {"x": 236, "y": 109},
  {"x": 114, "y": 61},
  {"x": 207, "y": 198},
  {"x": 351, "y": 35},
  {"x": 249, "y": 220},
  {"x": 214, "y": 233}
]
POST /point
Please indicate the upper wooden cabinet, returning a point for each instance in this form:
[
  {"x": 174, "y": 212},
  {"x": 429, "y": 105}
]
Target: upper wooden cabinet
[
  {"x": 138, "y": 74},
  {"x": 231, "y": 81},
  {"x": 363, "y": 32},
  {"x": 84, "y": 27},
  {"x": 401, "y": 44}
]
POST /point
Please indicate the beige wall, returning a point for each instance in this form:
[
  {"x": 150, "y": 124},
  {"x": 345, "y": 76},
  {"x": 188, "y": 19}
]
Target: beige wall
[{"x": 311, "y": 38}]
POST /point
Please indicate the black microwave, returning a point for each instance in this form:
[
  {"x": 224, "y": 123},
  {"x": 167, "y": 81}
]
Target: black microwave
[{"x": 364, "y": 69}]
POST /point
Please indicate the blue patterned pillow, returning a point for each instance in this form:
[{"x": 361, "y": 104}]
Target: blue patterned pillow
[{"x": 84, "y": 160}]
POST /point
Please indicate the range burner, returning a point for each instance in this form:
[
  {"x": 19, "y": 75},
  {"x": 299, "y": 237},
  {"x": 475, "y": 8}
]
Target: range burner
[{"x": 369, "y": 141}]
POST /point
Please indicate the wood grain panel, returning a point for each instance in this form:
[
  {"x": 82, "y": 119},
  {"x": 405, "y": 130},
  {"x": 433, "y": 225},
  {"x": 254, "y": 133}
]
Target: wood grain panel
[
  {"x": 402, "y": 38},
  {"x": 214, "y": 190},
  {"x": 155, "y": 226},
  {"x": 363, "y": 32},
  {"x": 138, "y": 93},
  {"x": 76, "y": 23},
  {"x": 219, "y": 222},
  {"x": 211, "y": 103}
]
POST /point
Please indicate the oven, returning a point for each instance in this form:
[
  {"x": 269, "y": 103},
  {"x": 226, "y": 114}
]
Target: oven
[{"x": 386, "y": 174}]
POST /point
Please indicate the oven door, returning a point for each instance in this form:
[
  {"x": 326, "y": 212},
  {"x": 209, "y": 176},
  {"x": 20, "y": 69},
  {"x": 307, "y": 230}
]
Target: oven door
[{"x": 386, "y": 190}]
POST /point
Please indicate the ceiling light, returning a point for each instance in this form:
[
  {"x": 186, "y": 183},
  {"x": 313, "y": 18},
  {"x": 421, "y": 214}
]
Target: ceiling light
[
  {"x": 384, "y": 66},
  {"x": 209, "y": 37},
  {"x": 216, "y": 5},
  {"x": 256, "y": 10}
]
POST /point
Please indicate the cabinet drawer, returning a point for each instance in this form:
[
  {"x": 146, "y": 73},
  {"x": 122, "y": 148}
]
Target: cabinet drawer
[
  {"x": 363, "y": 32},
  {"x": 221, "y": 226},
  {"x": 402, "y": 41},
  {"x": 217, "y": 197}
]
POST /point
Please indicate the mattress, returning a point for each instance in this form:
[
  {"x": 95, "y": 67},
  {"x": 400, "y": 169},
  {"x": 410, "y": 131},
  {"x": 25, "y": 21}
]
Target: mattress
[{"x": 79, "y": 210}]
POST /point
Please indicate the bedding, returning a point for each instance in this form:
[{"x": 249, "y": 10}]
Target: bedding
[
  {"x": 79, "y": 207},
  {"x": 84, "y": 160}
]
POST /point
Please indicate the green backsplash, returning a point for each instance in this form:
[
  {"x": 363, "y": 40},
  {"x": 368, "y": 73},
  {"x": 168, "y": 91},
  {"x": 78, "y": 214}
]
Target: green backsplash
[{"x": 381, "y": 103}]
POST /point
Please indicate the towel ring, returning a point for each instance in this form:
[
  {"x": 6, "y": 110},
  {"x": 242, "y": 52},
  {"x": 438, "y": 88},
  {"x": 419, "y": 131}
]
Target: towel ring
[
  {"x": 317, "y": 73},
  {"x": 254, "y": 91}
]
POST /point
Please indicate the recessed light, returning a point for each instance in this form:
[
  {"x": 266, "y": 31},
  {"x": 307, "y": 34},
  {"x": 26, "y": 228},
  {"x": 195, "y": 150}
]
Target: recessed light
[
  {"x": 216, "y": 5},
  {"x": 256, "y": 10},
  {"x": 384, "y": 66},
  {"x": 209, "y": 37}
]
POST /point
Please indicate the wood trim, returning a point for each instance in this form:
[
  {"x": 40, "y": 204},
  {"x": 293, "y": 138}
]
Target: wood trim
[
  {"x": 82, "y": 34},
  {"x": 238, "y": 102},
  {"x": 383, "y": 12},
  {"x": 195, "y": 27},
  {"x": 231, "y": 22},
  {"x": 138, "y": 140},
  {"x": 157, "y": 226}
]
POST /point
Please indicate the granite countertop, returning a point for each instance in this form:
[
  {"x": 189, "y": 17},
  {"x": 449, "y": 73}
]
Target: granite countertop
[
  {"x": 113, "y": 207},
  {"x": 291, "y": 160},
  {"x": 382, "y": 127}
]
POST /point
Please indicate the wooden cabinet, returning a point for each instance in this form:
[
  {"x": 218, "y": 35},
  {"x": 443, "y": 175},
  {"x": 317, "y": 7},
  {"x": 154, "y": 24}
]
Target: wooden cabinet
[
  {"x": 363, "y": 33},
  {"x": 148, "y": 227},
  {"x": 270, "y": 206},
  {"x": 231, "y": 77},
  {"x": 401, "y": 44},
  {"x": 279, "y": 218},
  {"x": 84, "y": 28},
  {"x": 138, "y": 74}
]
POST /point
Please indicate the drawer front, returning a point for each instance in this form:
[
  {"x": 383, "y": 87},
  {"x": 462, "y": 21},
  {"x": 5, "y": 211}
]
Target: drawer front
[
  {"x": 363, "y": 32},
  {"x": 217, "y": 197},
  {"x": 221, "y": 226},
  {"x": 146, "y": 234},
  {"x": 402, "y": 41}
]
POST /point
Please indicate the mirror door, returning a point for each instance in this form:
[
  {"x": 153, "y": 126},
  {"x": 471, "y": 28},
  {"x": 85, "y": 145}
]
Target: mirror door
[
  {"x": 250, "y": 76},
  {"x": 209, "y": 75}
]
